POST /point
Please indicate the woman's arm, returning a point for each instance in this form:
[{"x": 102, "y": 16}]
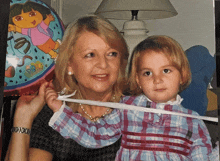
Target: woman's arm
[
  {"x": 103, "y": 132},
  {"x": 27, "y": 109},
  {"x": 35, "y": 155}
]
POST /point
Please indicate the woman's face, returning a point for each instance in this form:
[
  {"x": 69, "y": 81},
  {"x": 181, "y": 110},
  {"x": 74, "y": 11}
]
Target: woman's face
[{"x": 94, "y": 64}]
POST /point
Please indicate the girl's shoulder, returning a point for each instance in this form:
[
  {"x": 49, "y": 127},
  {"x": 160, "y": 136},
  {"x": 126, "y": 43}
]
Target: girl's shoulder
[
  {"x": 134, "y": 100},
  {"x": 182, "y": 109}
]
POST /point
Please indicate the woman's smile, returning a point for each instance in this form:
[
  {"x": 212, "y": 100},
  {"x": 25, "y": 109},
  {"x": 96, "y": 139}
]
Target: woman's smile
[{"x": 101, "y": 77}]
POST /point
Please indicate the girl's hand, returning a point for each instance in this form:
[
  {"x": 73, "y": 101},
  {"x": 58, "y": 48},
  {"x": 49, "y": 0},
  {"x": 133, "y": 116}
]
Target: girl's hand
[
  {"x": 51, "y": 98},
  {"x": 28, "y": 107}
]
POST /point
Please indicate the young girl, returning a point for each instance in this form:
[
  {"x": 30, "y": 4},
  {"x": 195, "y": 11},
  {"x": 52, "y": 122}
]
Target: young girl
[
  {"x": 32, "y": 19},
  {"x": 159, "y": 71}
]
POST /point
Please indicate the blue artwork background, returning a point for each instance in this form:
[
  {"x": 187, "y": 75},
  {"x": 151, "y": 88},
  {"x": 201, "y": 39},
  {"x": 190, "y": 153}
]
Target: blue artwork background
[{"x": 37, "y": 61}]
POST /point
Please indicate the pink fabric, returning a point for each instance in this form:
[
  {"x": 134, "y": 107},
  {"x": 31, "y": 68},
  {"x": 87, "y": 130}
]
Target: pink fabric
[{"x": 37, "y": 37}]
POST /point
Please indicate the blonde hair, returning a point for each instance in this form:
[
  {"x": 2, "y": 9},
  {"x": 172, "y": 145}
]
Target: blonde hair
[
  {"x": 167, "y": 46},
  {"x": 101, "y": 28}
]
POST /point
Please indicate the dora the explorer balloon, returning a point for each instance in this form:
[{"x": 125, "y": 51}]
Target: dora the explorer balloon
[{"x": 33, "y": 19}]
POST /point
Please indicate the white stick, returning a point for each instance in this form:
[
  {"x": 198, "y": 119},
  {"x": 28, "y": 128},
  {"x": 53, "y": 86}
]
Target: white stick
[{"x": 132, "y": 107}]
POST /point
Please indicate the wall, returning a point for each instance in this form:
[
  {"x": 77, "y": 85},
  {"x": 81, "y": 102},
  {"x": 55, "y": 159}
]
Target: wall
[{"x": 194, "y": 24}]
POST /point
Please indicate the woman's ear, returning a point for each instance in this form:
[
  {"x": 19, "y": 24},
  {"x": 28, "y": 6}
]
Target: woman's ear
[{"x": 70, "y": 70}]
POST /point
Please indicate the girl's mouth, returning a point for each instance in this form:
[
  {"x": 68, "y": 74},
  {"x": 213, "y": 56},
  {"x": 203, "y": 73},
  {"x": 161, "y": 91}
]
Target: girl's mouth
[
  {"x": 160, "y": 90},
  {"x": 34, "y": 22}
]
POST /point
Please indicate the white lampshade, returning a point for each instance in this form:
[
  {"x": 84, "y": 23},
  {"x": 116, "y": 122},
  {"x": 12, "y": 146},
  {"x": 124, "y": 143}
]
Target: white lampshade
[
  {"x": 147, "y": 9},
  {"x": 134, "y": 30}
]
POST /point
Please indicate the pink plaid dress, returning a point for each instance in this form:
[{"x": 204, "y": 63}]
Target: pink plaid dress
[{"x": 145, "y": 136}]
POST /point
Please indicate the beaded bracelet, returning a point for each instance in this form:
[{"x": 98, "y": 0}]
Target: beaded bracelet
[{"x": 21, "y": 130}]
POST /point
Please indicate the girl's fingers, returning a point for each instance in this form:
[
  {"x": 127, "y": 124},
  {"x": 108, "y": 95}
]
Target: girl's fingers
[{"x": 50, "y": 95}]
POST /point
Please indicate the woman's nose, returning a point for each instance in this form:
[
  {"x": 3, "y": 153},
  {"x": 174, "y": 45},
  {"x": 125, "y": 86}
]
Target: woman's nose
[{"x": 102, "y": 62}]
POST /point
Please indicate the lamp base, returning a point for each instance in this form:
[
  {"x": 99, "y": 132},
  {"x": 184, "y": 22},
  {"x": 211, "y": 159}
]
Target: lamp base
[
  {"x": 134, "y": 31},
  {"x": 134, "y": 27}
]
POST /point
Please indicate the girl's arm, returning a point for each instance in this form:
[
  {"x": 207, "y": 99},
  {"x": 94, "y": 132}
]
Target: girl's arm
[
  {"x": 103, "y": 132},
  {"x": 202, "y": 145}
]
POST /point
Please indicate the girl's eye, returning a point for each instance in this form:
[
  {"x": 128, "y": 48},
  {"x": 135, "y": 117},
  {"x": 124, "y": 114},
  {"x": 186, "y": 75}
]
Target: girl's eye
[
  {"x": 113, "y": 54},
  {"x": 147, "y": 73},
  {"x": 18, "y": 18},
  {"x": 31, "y": 14},
  {"x": 90, "y": 55},
  {"x": 166, "y": 71}
]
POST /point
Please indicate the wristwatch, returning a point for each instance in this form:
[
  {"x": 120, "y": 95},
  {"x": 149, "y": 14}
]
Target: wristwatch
[{"x": 21, "y": 130}]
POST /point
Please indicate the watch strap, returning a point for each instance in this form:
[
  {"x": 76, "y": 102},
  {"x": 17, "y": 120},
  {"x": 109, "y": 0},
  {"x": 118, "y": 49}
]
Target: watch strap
[{"x": 21, "y": 130}]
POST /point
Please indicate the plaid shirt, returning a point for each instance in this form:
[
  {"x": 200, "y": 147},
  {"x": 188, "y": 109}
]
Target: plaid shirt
[{"x": 145, "y": 136}]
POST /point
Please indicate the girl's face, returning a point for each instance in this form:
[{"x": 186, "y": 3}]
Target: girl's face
[
  {"x": 158, "y": 78},
  {"x": 94, "y": 64},
  {"x": 28, "y": 20}
]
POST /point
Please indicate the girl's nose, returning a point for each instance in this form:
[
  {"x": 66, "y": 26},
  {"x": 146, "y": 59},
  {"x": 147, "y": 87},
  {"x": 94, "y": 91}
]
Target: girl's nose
[{"x": 158, "y": 79}]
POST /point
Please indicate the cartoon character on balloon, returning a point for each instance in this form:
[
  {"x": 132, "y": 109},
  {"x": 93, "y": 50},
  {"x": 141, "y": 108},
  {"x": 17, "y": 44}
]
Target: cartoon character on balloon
[{"x": 35, "y": 33}]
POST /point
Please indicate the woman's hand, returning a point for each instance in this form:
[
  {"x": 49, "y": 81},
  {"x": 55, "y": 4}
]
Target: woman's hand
[
  {"x": 51, "y": 98},
  {"x": 28, "y": 107}
]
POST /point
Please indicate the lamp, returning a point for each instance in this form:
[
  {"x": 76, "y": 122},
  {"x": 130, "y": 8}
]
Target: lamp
[
  {"x": 146, "y": 9},
  {"x": 135, "y": 30}
]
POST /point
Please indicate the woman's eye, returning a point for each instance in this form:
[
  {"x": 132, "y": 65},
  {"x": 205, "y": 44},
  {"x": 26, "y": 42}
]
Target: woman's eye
[
  {"x": 18, "y": 18},
  {"x": 166, "y": 71},
  {"x": 31, "y": 14},
  {"x": 90, "y": 55},
  {"x": 113, "y": 54},
  {"x": 148, "y": 73}
]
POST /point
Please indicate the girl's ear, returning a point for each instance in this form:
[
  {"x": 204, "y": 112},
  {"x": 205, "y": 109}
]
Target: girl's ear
[
  {"x": 181, "y": 80},
  {"x": 137, "y": 79}
]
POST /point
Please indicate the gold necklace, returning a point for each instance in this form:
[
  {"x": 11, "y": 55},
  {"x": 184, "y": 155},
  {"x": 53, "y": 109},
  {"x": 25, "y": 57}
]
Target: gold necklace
[{"x": 97, "y": 117}]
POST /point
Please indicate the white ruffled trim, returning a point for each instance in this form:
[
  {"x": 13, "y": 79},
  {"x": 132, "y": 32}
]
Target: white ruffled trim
[
  {"x": 56, "y": 114},
  {"x": 176, "y": 102},
  {"x": 161, "y": 105}
]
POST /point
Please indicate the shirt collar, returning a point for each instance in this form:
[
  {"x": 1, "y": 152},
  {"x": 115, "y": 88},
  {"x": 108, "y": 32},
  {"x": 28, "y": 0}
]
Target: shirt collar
[{"x": 176, "y": 102}]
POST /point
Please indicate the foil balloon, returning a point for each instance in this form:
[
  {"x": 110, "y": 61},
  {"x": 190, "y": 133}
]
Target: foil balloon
[{"x": 34, "y": 36}]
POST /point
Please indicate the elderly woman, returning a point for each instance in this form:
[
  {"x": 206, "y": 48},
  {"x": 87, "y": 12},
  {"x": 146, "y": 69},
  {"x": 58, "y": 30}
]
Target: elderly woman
[{"x": 91, "y": 62}]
